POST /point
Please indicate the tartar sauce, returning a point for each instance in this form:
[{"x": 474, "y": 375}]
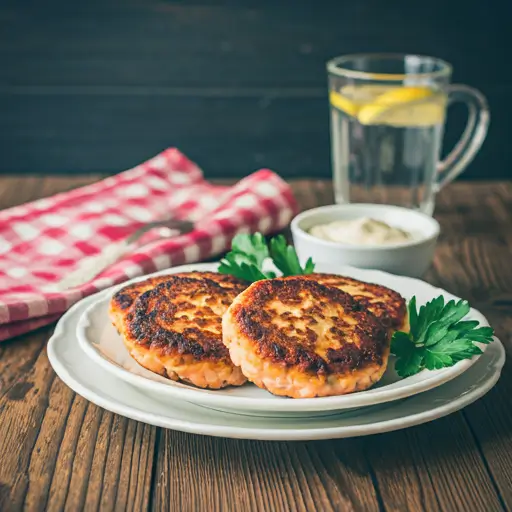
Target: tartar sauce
[{"x": 362, "y": 231}]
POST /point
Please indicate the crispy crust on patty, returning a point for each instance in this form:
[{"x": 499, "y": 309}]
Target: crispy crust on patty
[
  {"x": 386, "y": 304},
  {"x": 298, "y": 338},
  {"x": 174, "y": 327},
  {"x": 123, "y": 300},
  {"x": 125, "y": 297}
]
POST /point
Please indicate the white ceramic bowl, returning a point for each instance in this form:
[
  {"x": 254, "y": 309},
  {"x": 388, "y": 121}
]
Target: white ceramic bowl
[{"x": 411, "y": 258}]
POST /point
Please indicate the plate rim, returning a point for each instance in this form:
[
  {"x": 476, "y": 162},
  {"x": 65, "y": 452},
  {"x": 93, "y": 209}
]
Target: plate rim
[
  {"x": 254, "y": 433},
  {"x": 211, "y": 398}
]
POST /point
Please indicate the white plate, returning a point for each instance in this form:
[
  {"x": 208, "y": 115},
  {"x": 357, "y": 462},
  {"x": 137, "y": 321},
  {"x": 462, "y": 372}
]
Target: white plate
[
  {"x": 103, "y": 388},
  {"x": 101, "y": 342}
]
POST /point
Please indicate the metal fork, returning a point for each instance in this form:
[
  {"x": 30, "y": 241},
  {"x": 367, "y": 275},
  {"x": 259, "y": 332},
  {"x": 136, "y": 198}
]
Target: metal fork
[
  {"x": 91, "y": 266},
  {"x": 183, "y": 226}
]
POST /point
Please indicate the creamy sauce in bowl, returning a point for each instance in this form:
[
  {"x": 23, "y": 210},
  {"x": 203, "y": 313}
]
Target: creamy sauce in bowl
[{"x": 362, "y": 231}]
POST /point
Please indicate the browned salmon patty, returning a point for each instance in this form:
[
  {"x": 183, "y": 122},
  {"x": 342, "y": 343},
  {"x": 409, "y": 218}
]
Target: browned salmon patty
[
  {"x": 123, "y": 300},
  {"x": 301, "y": 339},
  {"x": 386, "y": 304},
  {"x": 174, "y": 327}
]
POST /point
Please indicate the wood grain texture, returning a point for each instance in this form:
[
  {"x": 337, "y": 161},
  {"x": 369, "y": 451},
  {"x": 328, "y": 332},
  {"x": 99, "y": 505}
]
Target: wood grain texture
[
  {"x": 227, "y": 474},
  {"x": 96, "y": 86},
  {"x": 60, "y": 452},
  {"x": 107, "y": 43},
  {"x": 474, "y": 259}
]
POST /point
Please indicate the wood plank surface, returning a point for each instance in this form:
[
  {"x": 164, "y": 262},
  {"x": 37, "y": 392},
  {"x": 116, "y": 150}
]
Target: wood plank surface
[
  {"x": 99, "y": 85},
  {"x": 60, "y": 452}
]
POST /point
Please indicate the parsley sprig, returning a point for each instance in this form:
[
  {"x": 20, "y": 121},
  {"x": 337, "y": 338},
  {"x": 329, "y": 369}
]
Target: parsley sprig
[
  {"x": 438, "y": 337},
  {"x": 249, "y": 253}
]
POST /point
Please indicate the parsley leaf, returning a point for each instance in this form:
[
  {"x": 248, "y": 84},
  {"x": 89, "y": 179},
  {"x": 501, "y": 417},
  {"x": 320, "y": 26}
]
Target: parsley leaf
[
  {"x": 438, "y": 337},
  {"x": 286, "y": 260},
  {"x": 252, "y": 247},
  {"x": 236, "y": 266},
  {"x": 410, "y": 359},
  {"x": 249, "y": 253}
]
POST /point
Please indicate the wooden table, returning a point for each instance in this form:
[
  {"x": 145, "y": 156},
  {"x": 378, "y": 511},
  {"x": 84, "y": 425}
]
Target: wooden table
[{"x": 58, "y": 451}]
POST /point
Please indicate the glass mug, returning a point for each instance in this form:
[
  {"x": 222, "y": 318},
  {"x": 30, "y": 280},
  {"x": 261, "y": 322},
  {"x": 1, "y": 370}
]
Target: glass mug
[{"x": 387, "y": 119}]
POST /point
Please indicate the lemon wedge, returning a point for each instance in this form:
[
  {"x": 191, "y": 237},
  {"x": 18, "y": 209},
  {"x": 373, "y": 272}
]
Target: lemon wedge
[{"x": 404, "y": 106}]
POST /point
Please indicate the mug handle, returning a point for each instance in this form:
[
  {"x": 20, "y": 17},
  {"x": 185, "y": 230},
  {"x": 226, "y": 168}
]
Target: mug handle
[{"x": 472, "y": 137}]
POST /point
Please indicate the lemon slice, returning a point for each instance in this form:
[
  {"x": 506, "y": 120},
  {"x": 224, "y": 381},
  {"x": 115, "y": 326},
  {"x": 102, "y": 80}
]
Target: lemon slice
[
  {"x": 351, "y": 98},
  {"x": 403, "y": 95},
  {"x": 404, "y": 106},
  {"x": 344, "y": 104}
]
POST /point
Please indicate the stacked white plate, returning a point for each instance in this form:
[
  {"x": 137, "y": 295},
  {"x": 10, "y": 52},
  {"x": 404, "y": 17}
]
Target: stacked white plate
[{"x": 90, "y": 357}]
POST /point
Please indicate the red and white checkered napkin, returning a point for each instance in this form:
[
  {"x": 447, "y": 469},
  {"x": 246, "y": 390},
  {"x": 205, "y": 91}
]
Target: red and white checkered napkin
[{"x": 44, "y": 241}]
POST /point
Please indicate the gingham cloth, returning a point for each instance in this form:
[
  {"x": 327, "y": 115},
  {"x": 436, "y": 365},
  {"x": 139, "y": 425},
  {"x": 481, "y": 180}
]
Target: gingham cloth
[{"x": 43, "y": 241}]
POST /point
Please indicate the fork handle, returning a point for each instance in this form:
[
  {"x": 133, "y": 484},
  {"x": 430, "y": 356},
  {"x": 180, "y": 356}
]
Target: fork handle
[
  {"x": 91, "y": 266},
  {"x": 183, "y": 226}
]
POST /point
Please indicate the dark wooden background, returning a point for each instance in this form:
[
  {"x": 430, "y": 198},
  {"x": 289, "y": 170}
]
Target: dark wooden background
[{"x": 98, "y": 86}]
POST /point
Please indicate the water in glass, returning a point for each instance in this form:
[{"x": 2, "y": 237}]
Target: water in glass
[{"x": 386, "y": 142}]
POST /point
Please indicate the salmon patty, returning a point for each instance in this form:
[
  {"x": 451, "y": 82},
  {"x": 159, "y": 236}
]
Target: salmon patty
[
  {"x": 386, "y": 304},
  {"x": 172, "y": 326},
  {"x": 123, "y": 300},
  {"x": 301, "y": 339}
]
